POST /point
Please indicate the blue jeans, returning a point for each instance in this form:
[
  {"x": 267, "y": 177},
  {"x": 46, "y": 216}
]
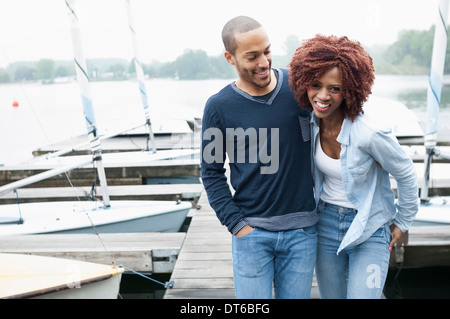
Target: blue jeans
[
  {"x": 283, "y": 260},
  {"x": 358, "y": 271}
]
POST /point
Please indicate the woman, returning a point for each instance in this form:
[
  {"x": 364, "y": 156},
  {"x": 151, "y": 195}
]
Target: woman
[{"x": 352, "y": 160}]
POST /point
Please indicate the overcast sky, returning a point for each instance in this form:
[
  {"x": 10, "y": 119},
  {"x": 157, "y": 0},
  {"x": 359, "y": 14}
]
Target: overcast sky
[{"x": 34, "y": 29}]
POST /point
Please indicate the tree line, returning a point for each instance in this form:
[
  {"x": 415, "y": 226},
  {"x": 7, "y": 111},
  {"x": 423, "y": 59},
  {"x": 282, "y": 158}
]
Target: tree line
[{"x": 410, "y": 54}]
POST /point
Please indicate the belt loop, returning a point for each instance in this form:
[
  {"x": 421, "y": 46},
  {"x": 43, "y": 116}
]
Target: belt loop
[{"x": 321, "y": 204}]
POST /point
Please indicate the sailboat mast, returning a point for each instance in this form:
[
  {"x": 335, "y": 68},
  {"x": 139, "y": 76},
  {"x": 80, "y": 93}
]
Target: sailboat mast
[
  {"x": 434, "y": 90},
  {"x": 140, "y": 77},
  {"x": 88, "y": 109}
]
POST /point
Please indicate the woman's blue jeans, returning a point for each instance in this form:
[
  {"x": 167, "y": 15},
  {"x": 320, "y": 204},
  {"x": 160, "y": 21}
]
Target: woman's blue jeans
[
  {"x": 283, "y": 261},
  {"x": 358, "y": 272}
]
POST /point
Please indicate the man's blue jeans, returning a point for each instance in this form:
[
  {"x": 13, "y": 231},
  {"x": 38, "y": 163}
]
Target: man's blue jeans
[
  {"x": 283, "y": 261},
  {"x": 358, "y": 271}
]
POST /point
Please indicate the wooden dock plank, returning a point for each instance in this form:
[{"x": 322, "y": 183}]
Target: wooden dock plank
[
  {"x": 129, "y": 170},
  {"x": 205, "y": 283},
  {"x": 204, "y": 267},
  {"x": 134, "y": 251},
  {"x": 428, "y": 246},
  {"x": 200, "y": 294},
  {"x": 123, "y": 192},
  {"x": 426, "y": 235},
  {"x": 124, "y": 143}
]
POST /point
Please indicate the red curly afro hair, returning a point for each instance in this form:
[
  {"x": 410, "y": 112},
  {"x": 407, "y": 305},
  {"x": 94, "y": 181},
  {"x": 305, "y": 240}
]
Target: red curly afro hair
[{"x": 320, "y": 54}]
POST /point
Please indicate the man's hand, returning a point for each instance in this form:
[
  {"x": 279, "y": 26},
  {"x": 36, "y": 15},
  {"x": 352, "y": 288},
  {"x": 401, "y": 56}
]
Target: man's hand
[{"x": 244, "y": 231}]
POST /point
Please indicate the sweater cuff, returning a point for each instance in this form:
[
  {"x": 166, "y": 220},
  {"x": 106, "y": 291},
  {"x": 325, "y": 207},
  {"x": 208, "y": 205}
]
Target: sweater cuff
[{"x": 241, "y": 224}]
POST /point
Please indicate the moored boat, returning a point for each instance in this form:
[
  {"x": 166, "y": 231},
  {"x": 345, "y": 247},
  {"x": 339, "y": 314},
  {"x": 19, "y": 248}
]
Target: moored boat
[
  {"x": 31, "y": 276},
  {"x": 69, "y": 217}
]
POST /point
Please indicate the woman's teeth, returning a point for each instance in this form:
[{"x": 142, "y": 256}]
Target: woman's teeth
[{"x": 322, "y": 105}]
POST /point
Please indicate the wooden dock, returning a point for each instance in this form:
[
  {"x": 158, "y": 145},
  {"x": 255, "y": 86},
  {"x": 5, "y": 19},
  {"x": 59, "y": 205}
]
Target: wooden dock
[
  {"x": 427, "y": 246},
  {"x": 124, "y": 143},
  {"x": 204, "y": 265},
  {"x": 203, "y": 268},
  {"x": 120, "y": 169},
  {"x": 200, "y": 260},
  {"x": 142, "y": 252},
  {"x": 190, "y": 192}
]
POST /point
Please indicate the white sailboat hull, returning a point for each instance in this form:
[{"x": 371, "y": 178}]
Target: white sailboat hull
[
  {"x": 402, "y": 121},
  {"x": 107, "y": 288},
  {"x": 91, "y": 217},
  {"x": 30, "y": 276},
  {"x": 436, "y": 211}
]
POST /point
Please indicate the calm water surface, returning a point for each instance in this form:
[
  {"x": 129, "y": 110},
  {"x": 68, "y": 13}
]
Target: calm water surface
[{"x": 50, "y": 113}]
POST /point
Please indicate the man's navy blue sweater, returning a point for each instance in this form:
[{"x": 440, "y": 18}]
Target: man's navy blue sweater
[{"x": 268, "y": 147}]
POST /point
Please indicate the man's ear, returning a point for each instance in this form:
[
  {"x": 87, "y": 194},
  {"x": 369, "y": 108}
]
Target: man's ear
[{"x": 229, "y": 57}]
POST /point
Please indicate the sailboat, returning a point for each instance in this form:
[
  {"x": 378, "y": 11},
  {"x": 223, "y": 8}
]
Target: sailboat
[
  {"x": 437, "y": 209},
  {"x": 30, "y": 276},
  {"x": 92, "y": 216},
  {"x": 402, "y": 121}
]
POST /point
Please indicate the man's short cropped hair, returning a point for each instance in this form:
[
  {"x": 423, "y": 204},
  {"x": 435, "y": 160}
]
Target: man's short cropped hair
[{"x": 240, "y": 24}]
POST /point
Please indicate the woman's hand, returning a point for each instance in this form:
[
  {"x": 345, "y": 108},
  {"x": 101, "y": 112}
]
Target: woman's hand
[{"x": 396, "y": 234}]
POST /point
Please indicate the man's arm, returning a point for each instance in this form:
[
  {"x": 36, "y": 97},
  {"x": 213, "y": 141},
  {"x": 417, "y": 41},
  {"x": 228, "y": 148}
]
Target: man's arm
[{"x": 213, "y": 173}]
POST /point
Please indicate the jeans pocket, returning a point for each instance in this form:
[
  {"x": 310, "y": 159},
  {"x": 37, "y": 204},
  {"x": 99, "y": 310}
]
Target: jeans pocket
[
  {"x": 246, "y": 235},
  {"x": 383, "y": 233},
  {"x": 310, "y": 231},
  {"x": 320, "y": 206},
  {"x": 249, "y": 254}
]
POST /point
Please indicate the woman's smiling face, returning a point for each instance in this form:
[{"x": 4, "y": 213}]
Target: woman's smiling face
[{"x": 326, "y": 95}]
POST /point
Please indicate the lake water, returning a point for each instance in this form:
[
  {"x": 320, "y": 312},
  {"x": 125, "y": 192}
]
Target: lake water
[{"x": 51, "y": 113}]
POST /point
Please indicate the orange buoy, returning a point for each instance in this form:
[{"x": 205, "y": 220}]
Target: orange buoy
[{"x": 15, "y": 104}]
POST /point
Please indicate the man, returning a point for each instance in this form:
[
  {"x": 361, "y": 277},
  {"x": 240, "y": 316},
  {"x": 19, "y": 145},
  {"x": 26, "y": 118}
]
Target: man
[{"x": 258, "y": 124}]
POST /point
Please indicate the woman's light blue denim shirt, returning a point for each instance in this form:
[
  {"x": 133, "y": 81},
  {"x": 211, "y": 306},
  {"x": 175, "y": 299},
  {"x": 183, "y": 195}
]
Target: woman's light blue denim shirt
[{"x": 367, "y": 185}]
